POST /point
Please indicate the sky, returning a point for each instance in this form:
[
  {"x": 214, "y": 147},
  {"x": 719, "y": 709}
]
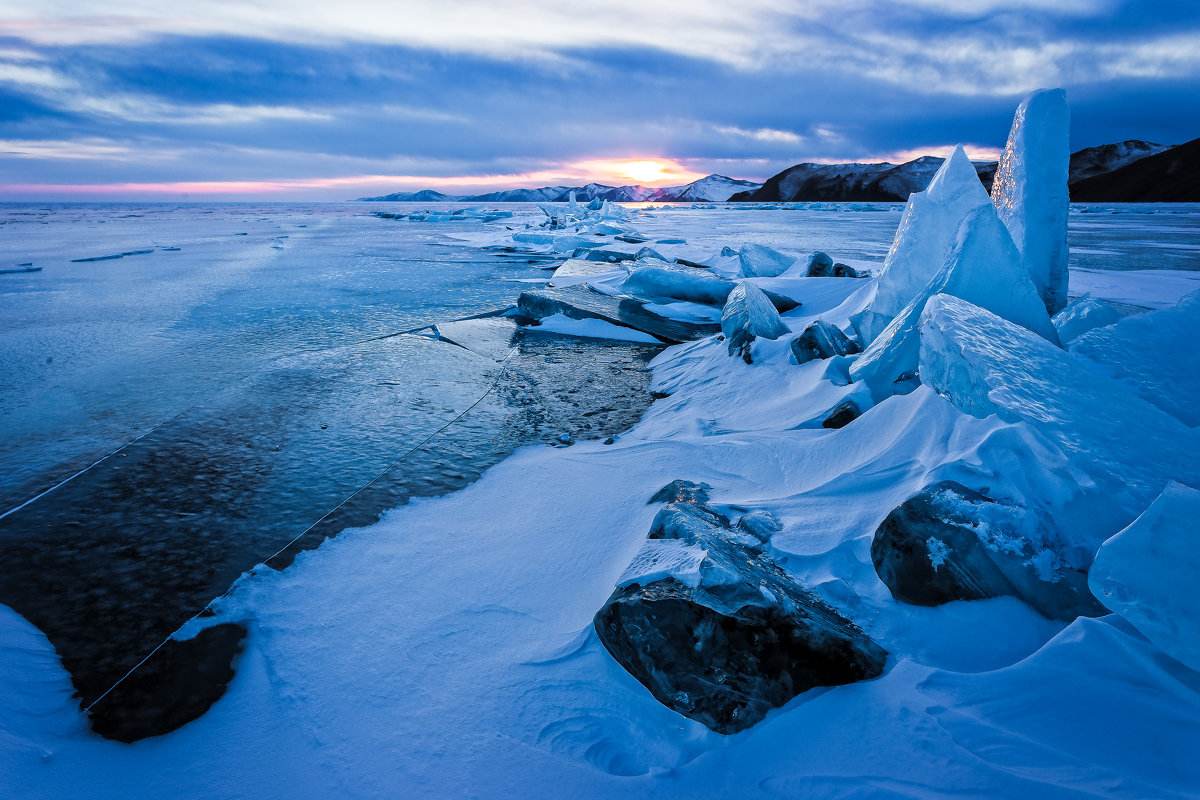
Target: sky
[{"x": 321, "y": 100}]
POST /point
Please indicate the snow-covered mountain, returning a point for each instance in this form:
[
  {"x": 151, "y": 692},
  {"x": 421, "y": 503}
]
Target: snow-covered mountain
[
  {"x": 1169, "y": 176},
  {"x": 883, "y": 181},
  {"x": 895, "y": 182},
  {"x": 1092, "y": 161},
  {"x": 808, "y": 182},
  {"x": 711, "y": 188},
  {"x": 423, "y": 196}
]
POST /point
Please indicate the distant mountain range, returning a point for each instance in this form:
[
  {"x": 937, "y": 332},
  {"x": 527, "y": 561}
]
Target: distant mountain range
[
  {"x": 1125, "y": 172},
  {"x": 712, "y": 188},
  {"x": 895, "y": 182}
]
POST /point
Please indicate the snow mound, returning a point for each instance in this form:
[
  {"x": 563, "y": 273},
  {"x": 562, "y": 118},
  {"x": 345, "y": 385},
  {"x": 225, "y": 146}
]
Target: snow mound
[
  {"x": 1147, "y": 573},
  {"x": 1153, "y": 355}
]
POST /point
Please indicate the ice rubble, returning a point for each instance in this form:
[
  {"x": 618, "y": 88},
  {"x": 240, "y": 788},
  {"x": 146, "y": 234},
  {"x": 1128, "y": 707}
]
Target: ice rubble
[
  {"x": 1030, "y": 190},
  {"x": 925, "y": 235},
  {"x": 983, "y": 267},
  {"x": 1147, "y": 573},
  {"x": 987, "y": 365}
]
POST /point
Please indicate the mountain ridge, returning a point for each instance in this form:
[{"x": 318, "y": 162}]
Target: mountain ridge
[{"x": 1088, "y": 178}]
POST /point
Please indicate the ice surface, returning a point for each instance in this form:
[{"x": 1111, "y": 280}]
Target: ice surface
[
  {"x": 1082, "y": 315},
  {"x": 748, "y": 314},
  {"x": 1147, "y": 573},
  {"x": 758, "y": 261},
  {"x": 983, "y": 267},
  {"x": 1156, "y": 355},
  {"x": 1030, "y": 190},
  {"x": 927, "y": 231},
  {"x": 986, "y": 365}
]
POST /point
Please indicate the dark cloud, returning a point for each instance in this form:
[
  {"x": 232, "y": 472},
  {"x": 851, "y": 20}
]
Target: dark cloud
[{"x": 886, "y": 79}]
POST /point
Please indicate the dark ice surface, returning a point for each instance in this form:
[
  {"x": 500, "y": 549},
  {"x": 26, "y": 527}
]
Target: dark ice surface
[{"x": 261, "y": 406}]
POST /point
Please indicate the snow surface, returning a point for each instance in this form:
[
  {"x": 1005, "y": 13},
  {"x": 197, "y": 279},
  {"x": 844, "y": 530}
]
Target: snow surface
[
  {"x": 447, "y": 650},
  {"x": 1154, "y": 355}
]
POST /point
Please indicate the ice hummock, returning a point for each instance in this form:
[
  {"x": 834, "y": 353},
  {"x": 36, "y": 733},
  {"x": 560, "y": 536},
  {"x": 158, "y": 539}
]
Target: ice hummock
[
  {"x": 1030, "y": 191},
  {"x": 1147, "y": 573},
  {"x": 984, "y": 268},
  {"x": 987, "y": 365},
  {"x": 923, "y": 239}
]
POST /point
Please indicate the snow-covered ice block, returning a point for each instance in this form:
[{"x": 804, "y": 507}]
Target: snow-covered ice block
[
  {"x": 716, "y": 630},
  {"x": 1155, "y": 355},
  {"x": 748, "y": 314},
  {"x": 1147, "y": 573},
  {"x": 758, "y": 261},
  {"x": 984, "y": 268},
  {"x": 949, "y": 542},
  {"x": 986, "y": 365},
  {"x": 927, "y": 230},
  {"x": 1082, "y": 315},
  {"x": 821, "y": 340},
  {"x": 1030, "y": 190}
]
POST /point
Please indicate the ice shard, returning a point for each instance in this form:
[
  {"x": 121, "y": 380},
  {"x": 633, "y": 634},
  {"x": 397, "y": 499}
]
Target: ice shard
[
  {"x": 984, "y": 268},
  {"x": 927, "y": 230},
  {"x": 1030, "y": 191},
  {"x": 1147, "y": 573},
  {"x": 748, "y": 314}
]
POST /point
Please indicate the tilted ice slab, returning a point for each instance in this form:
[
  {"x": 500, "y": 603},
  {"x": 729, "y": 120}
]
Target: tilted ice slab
[
  {"x": 1030, "y": 190},
  {"x": 926, "y": 232},
  {"x": 986, "y": 365},
  {"x": 1147, "y": 573},
  {"x": 1154, "y": 355},
  {"x": 984, "y": 268}
]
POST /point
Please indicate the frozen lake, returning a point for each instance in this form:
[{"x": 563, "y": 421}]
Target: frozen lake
[{"x": 255, "y": 357}]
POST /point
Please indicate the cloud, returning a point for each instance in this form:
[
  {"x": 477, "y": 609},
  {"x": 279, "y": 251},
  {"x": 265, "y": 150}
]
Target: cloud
[
  {"x": 761, "y": 134},
  {"x": 269, "y": 93}
]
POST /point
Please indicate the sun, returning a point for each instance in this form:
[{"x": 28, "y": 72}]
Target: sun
[{"x": 645, "y": 171}]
